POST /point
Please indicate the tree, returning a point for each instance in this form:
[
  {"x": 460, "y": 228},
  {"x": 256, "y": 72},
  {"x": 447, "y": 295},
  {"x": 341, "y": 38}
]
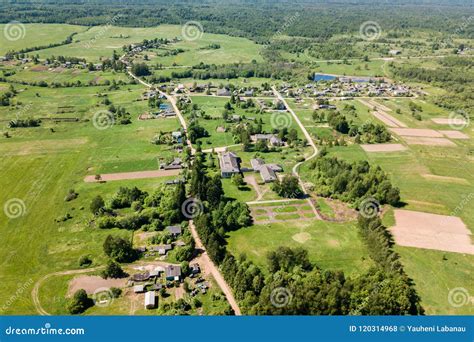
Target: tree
[
  {"x": 261, "y": 146},
  {"x": 97, "y": 205},
  {"x": 85, "y": 261},
  {"x": 119, "y": 249},
  {"x": 140, "y": 69},
  {"x": 214, "y": 192},
  {"x": 238, "y": 180},
  {"x": 79, "y": 302},
  {"x": 112, "y": 270},
  {"x": 288, "y": 187}
]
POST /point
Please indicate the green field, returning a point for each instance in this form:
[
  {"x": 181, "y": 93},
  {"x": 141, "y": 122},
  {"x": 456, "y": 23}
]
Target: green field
[
  {"x": 32, "y": 35},
  {"x": 100, "y": 42},
  {"x": 39, "y": 166},
  {"x": 330, "y": 245}
]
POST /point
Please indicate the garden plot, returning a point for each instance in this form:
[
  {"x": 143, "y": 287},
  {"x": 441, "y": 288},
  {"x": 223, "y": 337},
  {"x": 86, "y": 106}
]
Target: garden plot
[
  {"x": 264, "y": 214},
  {"x": 389, "y": 120},
  {"x": 449, "y": 121},
  {"x": 431, "y": 231},
  {"x": 383, "y": 147},
  {"x": 454, "y": 134},
  {"x": 417, "y": 132},
  {"x": 429, "y": 141},
  {"x": 132, "y": 175}
]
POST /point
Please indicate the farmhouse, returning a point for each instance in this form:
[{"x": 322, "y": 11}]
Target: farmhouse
[
  {"x": 267, "y": 171},
  {"x": 150, "y": 300},
  {"x": 229, "y": 163},
  {"x": 270, "y": 139},
  {"x": 173, "y": 272},
  {"x": 141, "y": 276},
  {"x": 174, "y": 230},
  {"x": 176, "y": 164},
  {"x": 162, "y": 249},
  {"x": 167, "y": 113},
  {"x": 223, "y": 92}
]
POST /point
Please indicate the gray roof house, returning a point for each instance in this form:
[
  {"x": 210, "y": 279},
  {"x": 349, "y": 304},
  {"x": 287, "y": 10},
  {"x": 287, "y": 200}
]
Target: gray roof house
[
  {"x": 267, "y": 171},
  {"x": 271, "y": 139},
  {"x": 173, "y": 272},
  {"x": 162, "y": 249},
  {"x": 267, "y": 174},
  {"x": 275, "y": 141},
  {"x": 229, "y": 163},
  {"x": 150, "y": 300},
  {"x": 223, "y": 92},
  {"x": 174, "y": 230},
  {"x": 174, "y": 165}
]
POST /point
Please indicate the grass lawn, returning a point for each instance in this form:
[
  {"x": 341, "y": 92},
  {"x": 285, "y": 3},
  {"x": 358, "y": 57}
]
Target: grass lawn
[
  {"x": 352, "y": 68},
  {"x": 434, "y": 277},
  {"x": 330, "y": 245},
  {"x": 244, "y": 193},
  {"x": 35, "y": 35}
]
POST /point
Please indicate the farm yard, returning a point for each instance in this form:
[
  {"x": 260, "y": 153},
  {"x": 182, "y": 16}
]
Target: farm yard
[{"x": 105, "y": 132}]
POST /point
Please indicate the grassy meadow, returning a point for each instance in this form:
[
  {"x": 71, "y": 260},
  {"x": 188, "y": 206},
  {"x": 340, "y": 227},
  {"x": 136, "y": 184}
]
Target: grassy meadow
[{"x": 330, "y": 245}]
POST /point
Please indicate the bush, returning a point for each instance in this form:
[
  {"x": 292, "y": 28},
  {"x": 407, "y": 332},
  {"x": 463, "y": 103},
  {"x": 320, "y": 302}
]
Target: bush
[
  {"x": 116, "y": 292},
  {"x": 85, "y": 261},
  {"x": 79, "y": 302},
  {"x": 113, "y": 270}
]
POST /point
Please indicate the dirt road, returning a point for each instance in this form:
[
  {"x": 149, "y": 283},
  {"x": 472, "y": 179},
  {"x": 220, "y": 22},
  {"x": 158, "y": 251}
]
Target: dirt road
[
  {"x": 35, "y": 291},
  {"x": 310, "y": 142},
  {"x": 209, "y": 265}
]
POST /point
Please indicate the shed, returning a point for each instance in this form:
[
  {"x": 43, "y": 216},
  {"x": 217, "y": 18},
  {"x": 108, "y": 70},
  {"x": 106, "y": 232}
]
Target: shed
[
  {"x": 150, "y": 300},
  {"x": 173, "y": 272},
  {"x": 174, "y": 230},
  {"x": 138, "y": 289}
]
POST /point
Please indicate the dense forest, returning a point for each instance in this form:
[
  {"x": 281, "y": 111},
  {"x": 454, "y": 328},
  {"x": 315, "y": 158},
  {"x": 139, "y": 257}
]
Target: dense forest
[{"x": 313, "y": 18}]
